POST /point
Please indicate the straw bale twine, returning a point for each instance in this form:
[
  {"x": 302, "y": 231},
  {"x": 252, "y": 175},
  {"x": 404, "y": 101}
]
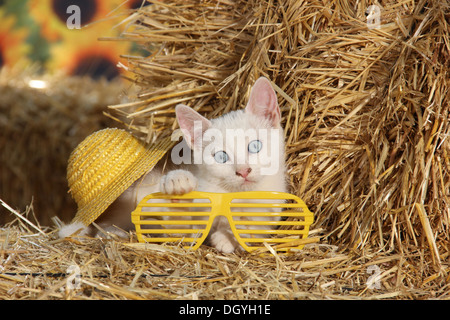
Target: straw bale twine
[
  {"x": 39, "y": 128},
  {"x": 365, "y": 109}
]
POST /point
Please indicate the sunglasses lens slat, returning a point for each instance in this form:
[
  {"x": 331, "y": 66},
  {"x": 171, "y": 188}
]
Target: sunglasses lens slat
[
  {"x": 175, "y": 205},
  {"x": 173, "y": 222},
  {"x": 270, "y": 223},
  {"x": 171, "y": 231},
  {"x": 174, "y": 240},
  {"x": 263, "y": 205},
  {"x": 268, "y": 240},
  {"x": 267, "y": 214},
  {"x": 174, "y": 214},
  {"x": 271, "y": 231}
]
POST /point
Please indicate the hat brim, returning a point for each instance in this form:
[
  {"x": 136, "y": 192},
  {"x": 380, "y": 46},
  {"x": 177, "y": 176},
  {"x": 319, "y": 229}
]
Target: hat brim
[{"x": 89, "y": 212}]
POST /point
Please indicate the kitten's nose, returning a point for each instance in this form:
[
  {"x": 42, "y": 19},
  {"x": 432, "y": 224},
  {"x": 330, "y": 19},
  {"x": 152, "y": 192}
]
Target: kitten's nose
[{"x": 244, "y": 172}]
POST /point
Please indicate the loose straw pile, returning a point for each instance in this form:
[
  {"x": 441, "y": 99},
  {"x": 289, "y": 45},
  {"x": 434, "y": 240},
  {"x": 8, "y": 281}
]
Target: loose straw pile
[{"x": 36, "y": 267}]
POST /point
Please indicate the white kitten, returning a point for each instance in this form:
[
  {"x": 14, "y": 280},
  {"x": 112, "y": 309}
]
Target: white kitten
[
  {"x": 240, "y": 151},
  {"x": 246, "y": 144}
]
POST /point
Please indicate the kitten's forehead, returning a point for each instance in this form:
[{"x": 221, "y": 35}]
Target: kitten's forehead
[{"x": 239, "y": 120}]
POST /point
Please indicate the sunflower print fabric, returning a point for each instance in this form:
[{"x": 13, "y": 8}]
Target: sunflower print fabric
[{"x": 62, "y": 36}]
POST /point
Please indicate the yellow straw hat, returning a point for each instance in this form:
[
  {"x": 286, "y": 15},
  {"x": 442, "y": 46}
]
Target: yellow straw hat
[{"x": 104, "y": 165}]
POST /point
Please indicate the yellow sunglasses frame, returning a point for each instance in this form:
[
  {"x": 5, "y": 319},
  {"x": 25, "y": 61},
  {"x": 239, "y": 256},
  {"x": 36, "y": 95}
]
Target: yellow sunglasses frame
[{"x": 221, "y": 204}]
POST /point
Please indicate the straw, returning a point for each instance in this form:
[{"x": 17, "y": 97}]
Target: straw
[
  {"x": 365, "y": 113},
  {"x": 35, "y": 266}
]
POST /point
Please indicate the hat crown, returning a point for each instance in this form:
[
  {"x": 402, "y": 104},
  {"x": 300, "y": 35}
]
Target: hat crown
[{"x": 99, "y": 160}]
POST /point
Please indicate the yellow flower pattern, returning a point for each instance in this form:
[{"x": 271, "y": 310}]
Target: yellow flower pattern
[
  {"x": 13, "y": 46},
  {"x": 68, "y": 34}
]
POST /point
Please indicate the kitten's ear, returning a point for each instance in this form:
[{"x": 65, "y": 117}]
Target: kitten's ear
[
  {"x": 192, "y": 125},
  {"x": 263, "y": 102}
]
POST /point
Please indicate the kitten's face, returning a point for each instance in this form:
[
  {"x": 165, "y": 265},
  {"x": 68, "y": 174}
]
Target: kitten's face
[{"x": 241, "y": 148}]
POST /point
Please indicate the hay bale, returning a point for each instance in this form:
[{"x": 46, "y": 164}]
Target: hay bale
[
  {"x": 39, "y": 128},
  {"x": 365, "y": 110}
]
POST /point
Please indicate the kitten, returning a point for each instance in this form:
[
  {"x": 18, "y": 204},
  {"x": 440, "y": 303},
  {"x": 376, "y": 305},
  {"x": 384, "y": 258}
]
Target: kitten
[{"x": 240, "y": 151}]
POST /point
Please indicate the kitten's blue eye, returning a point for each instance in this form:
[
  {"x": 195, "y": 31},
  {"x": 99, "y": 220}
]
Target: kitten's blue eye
[
  {"x": 221, "y": 157},
  {"x": 255, "y": 146}
]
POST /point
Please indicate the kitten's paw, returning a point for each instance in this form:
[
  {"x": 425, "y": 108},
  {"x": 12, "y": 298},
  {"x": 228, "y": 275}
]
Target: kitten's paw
[
  {"x": 178, "y": 182},
  {"x": 223, "y": 243}
]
